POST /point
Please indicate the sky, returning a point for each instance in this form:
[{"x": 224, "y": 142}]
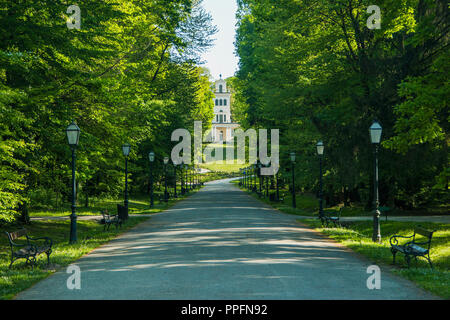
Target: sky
[{"x": 220, "y": 59}]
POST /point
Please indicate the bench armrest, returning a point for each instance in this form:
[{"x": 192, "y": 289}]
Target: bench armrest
[
  {"x": 393, "y": 240},
  {"x": 13, "y": 244},
  {"x": 47, "y": 241}
]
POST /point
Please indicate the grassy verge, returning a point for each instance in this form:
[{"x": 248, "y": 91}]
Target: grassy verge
[
  {"x": 215, "y": 175},
  {"x": 308, "y": 205},
  {"x": 90, "y": 235},
  {"x": 358, "y": 237},
  {"x": 223, "y": 167},
  {"x": 138, "y": 204}
]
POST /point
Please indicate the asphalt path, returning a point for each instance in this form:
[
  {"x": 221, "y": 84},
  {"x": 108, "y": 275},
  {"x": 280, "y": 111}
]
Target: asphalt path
[{"x": 221, "y": 243}]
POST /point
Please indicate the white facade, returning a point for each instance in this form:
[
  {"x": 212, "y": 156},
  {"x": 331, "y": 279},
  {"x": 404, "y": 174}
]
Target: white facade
[{"x": 222, "y": 124}]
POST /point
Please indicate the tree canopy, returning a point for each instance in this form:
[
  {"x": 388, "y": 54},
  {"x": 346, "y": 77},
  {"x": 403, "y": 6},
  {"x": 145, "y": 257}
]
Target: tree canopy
[
  {"x": 315, "y": 70},
  {"x": 131, "y": 73}
]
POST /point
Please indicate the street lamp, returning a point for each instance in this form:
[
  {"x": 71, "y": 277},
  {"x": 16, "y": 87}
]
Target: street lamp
[
  {"x": 278, "y": 187},
  {"x": 255, "y": 176},
  {"x": 151, "y": 157},
  {"x": 73, "y": 136},
  {"x": 375, "y": 137},
  {"x": 192, "y": 178},
  {"x": 182, "y": 178},
  {"x": 166, "y": 161},
  {"x": 320, "y": 147},
  {"x": 259, "y": 176},
  {"x": 245, "y": 178},
  {"x": 253, "y": 180},
  {"x": 126, "y": 151},
  {"x": 197, "y": 184},
  {"x": 186, "y": 179},
  {"x": 175, "y": 178},
  {"x": 267, "y": 183},
  {"x": 292, "y": 155}
]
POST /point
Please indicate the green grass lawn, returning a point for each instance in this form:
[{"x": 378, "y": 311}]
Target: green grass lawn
[
  {"x": 308, "y": 205},
  {"x": 137, "y": 204},
  {"x": 223, "y": 167},
  {"x": 90, "y": 235},
  {"x": 358, "y": 237}
]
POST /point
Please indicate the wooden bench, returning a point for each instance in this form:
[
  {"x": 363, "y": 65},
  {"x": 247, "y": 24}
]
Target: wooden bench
[
  {"x": 29, "y": 250},
  {"x": 109, "y": 219},
  {"x": 413, "y": 248},
  {"x": 331, "y": 217}
]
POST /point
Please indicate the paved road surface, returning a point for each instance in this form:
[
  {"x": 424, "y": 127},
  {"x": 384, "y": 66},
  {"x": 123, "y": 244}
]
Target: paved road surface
[{"x": 222, "y": 244}]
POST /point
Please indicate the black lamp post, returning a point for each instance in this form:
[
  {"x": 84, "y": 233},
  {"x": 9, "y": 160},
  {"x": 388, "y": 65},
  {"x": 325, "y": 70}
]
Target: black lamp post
[
  {"x": 259, "y": 176},
  {"x": 320, "y": 148},
  {"x": 73, "y": 135},
  {"x": 294, "y": 204},
  {"x": 186, "y": 180},
  {"x": 245, "y": 177},
  {"x": 267, "y": 184},
  {"x": 252, "y": 179},
  {"x": 166, "y": 195},
  {"x": 175, "y": 180},
  {"x": 151, "y": 158},
  {"x": 194, "y": 176},
  {"x": 278, "y": 188},
  {"x": 197, "y": 182},
  {"x": 375, "y": 137},
  {"x": 126, "y": 151},
  {"x": 182, "y": 177},
  {"x": 255, "y": 177}
]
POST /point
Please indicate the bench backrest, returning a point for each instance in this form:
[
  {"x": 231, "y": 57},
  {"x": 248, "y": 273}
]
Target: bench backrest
[
  {"x": 423, "y": 232},
  {"x": 16, "y": 234}
]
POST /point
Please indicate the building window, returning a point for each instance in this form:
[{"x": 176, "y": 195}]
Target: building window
[
  {"x": 220, "y": 102},
  {"x": 217, "y": 102},
  {"x": 220, "y": 88},
  {"x": 221, "y": 118},
  {"x": 225, "y": 118},
  {"x": 224, "y": 102},
  {"x": 217, "y": 118}
]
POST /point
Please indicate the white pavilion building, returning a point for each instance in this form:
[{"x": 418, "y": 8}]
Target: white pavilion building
[{"x": 222, "y": 125}]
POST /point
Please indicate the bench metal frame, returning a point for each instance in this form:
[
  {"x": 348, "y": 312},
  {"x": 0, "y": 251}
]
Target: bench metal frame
[
  {"x": 29, "y": 250},
  {"x": 413, "y": 248},
  {"x": 110, "y": 219},
  {"x": 328, "y": 218}
]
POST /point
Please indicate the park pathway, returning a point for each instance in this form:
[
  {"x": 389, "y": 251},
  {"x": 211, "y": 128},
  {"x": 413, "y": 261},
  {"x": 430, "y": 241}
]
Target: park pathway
[{"x": 222, "y": 244}]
